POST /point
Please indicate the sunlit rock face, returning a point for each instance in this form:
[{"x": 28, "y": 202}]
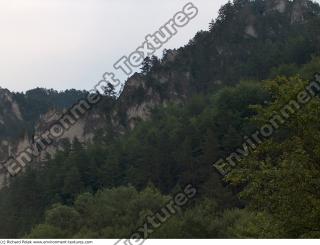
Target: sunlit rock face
[
  {"x": 18, "y": 132},
  {"x": 280, "y": 6},
  {"x": 299, "y": 10}
]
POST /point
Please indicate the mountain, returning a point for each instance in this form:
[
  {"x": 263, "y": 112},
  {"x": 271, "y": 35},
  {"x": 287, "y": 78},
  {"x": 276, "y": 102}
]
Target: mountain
[
  {"x": 247, "y": 41},
  {"x": 171, "y": 121},
  {"x": 24, "y": 115},
  {"x": 267, "y": 35}
]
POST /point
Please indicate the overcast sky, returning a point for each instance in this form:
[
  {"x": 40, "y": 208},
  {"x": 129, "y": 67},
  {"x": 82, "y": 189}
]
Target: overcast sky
[{"x": 65, "y": 44}]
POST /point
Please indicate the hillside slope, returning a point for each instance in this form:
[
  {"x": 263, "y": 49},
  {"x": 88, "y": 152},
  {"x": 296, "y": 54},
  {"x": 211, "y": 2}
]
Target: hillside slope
[{"x": 247, "y": 41}]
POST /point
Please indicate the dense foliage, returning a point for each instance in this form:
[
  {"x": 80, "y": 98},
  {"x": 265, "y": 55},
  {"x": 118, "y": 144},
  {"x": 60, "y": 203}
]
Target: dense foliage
[
  {"x": 38, "y": 101},
  {"x": 284, "y": 170},
  {"x": 105, "y": 190}
]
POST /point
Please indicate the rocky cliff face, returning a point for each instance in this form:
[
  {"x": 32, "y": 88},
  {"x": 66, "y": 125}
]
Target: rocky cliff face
[
  {"x": 11, "y": 123},
  {"x": 141, "y": 94},
  {"x": 18, "y": 134}
]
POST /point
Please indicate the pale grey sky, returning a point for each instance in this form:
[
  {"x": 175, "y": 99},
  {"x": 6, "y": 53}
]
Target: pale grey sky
[{"x": 65, "y": 44}]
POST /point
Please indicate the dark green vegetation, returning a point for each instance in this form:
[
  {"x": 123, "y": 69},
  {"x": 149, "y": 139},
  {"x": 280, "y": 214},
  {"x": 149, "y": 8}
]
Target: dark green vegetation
[
  {"x": 104, "y": 190},
  {"x": 38, "y": 101},
  {"x": 32, "y": 104}
]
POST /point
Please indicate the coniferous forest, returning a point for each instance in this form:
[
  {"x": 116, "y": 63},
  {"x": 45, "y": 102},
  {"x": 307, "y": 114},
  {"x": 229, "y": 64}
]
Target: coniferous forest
[{"x": 252, "y": 62}]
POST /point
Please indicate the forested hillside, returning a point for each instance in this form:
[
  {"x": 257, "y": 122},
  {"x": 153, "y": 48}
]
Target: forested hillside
[
  {"x": 21, "y": 115},
  {"x": 203, "y": 99}
]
